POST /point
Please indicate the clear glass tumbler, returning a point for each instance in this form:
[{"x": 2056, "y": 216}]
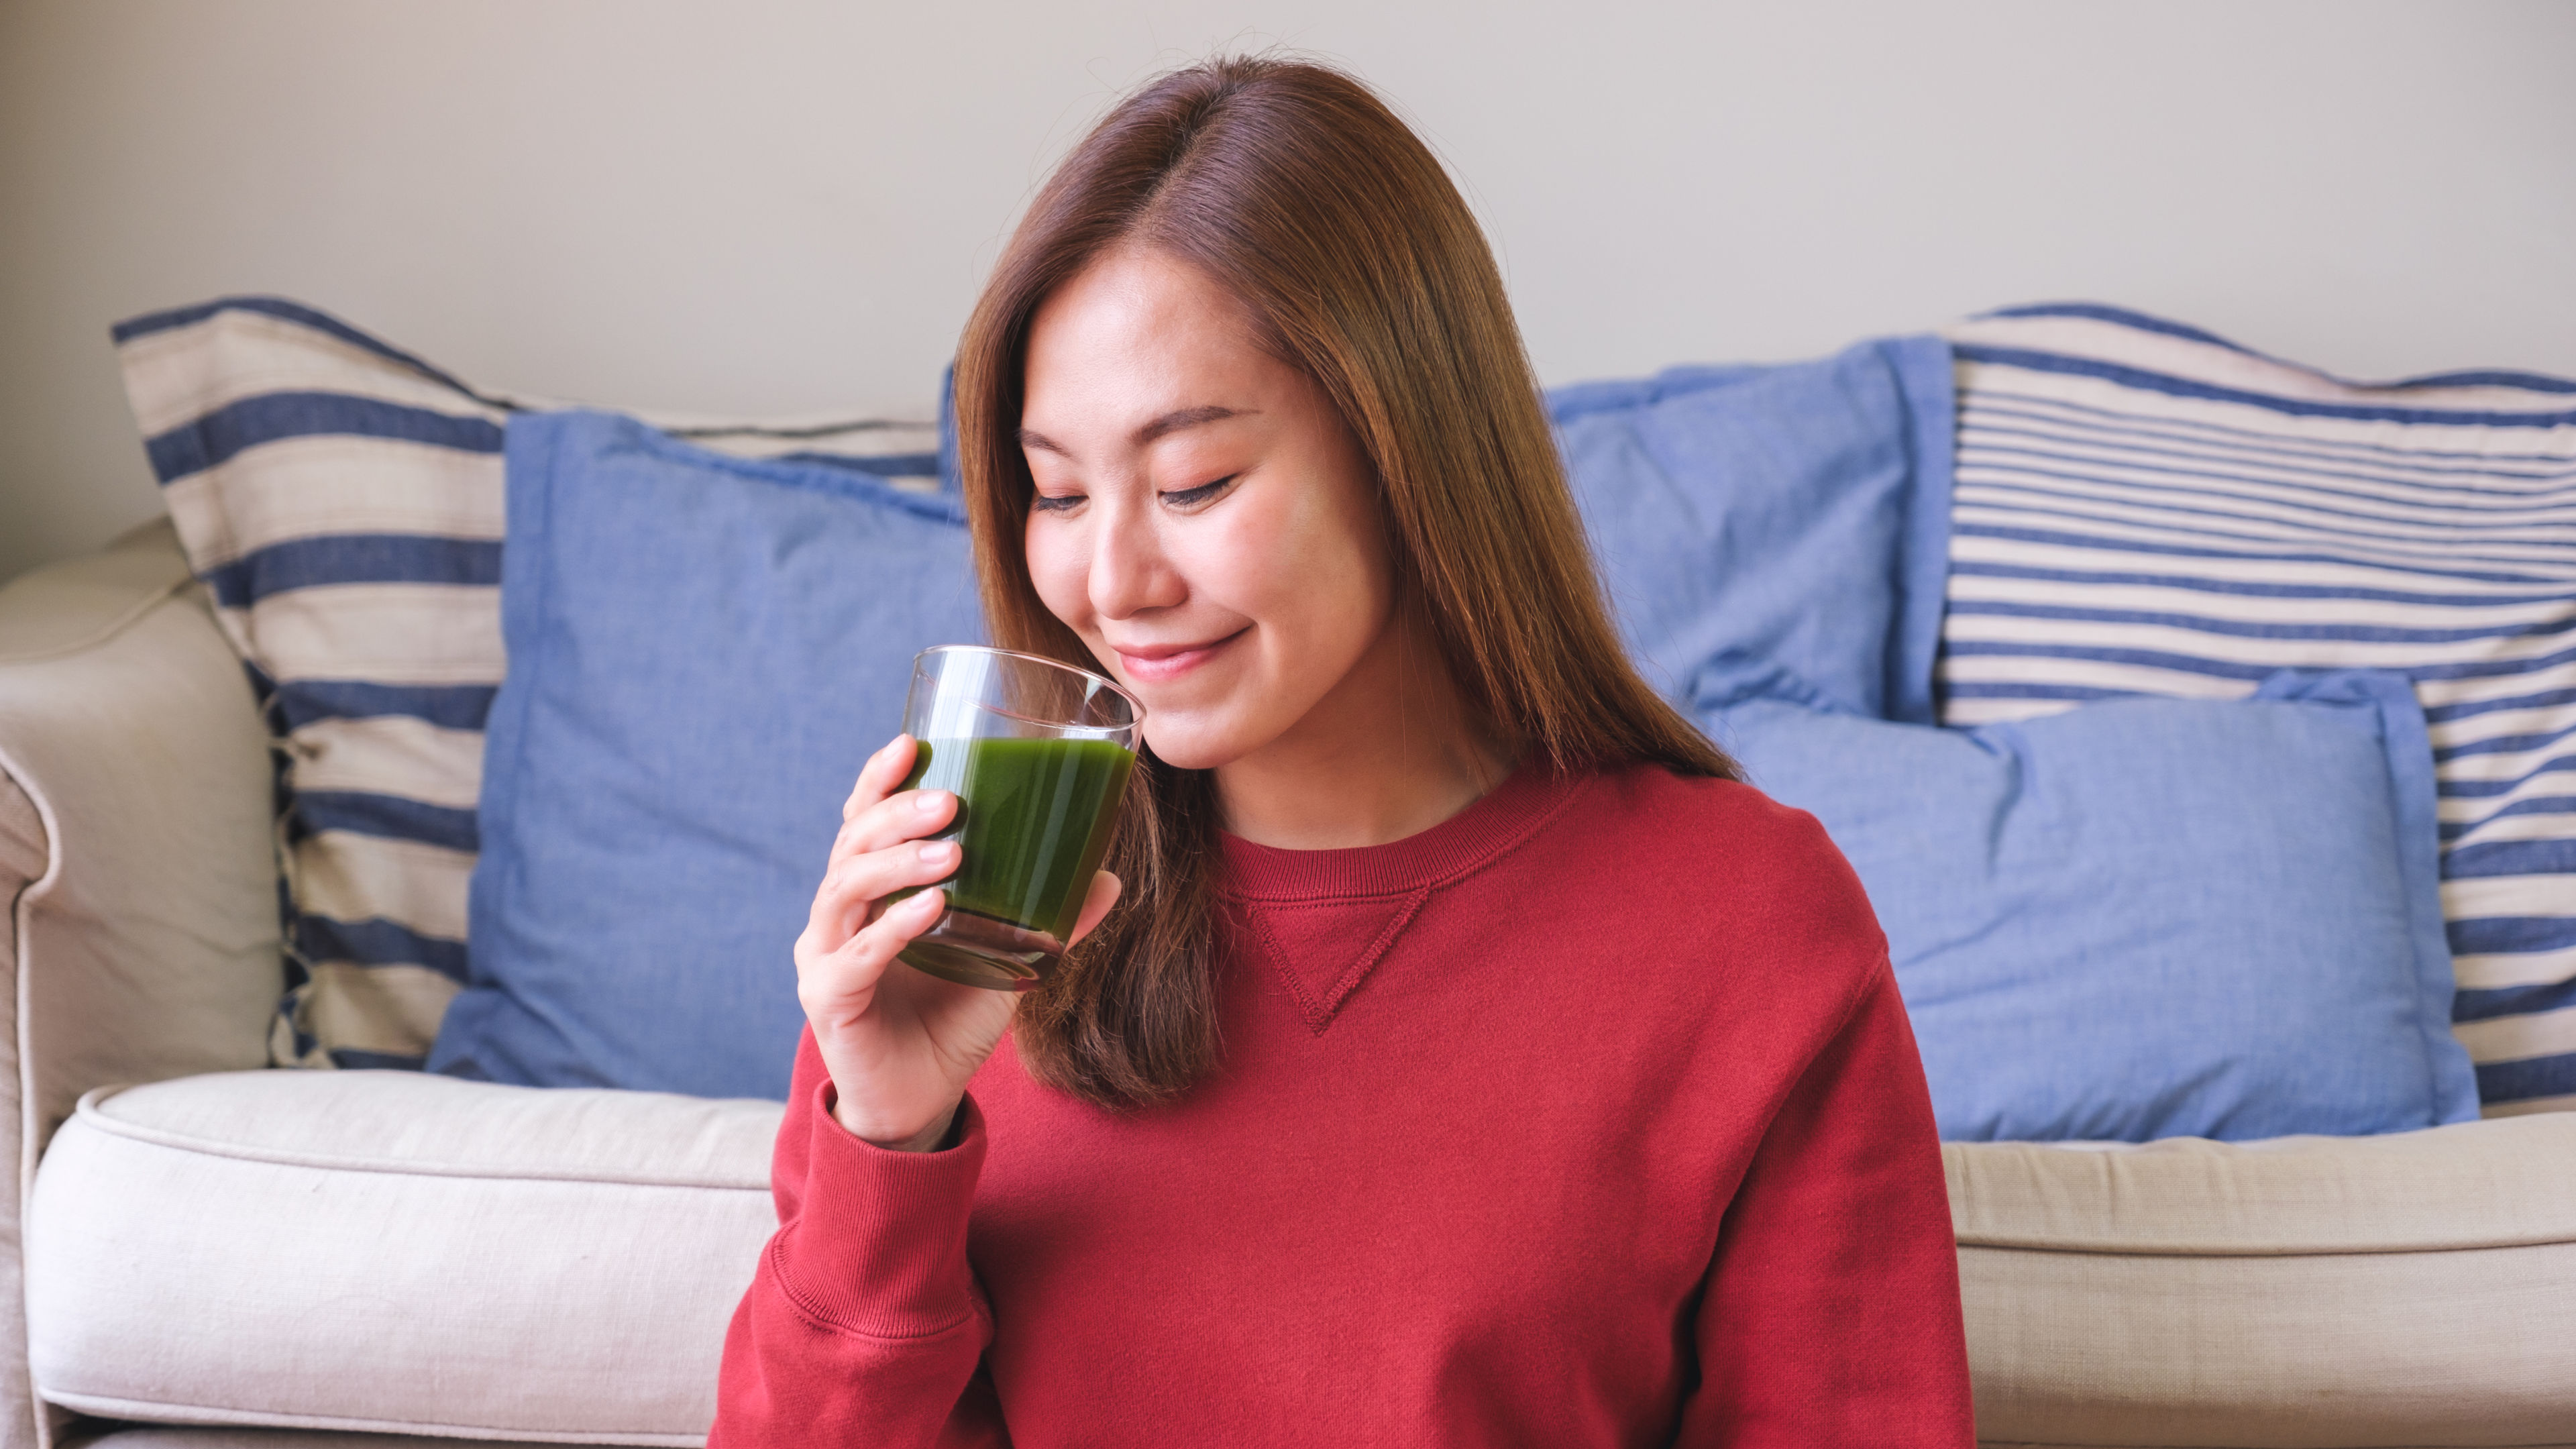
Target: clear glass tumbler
[{"x": 1038, "y": 755}]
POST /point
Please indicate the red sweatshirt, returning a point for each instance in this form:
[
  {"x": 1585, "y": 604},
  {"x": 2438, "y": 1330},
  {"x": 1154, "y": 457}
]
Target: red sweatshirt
[{"x": 1587, "y": 1117}]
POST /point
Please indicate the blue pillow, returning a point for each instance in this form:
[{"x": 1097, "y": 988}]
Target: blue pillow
[
  {"x": 1798, "y": 514},
  {"x": 702, "y": 651},
  {"x": 2151, "y": 918}
]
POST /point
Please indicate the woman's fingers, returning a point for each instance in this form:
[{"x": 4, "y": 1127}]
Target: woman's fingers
[
  {"x": 855, "y": 884},
  {"x": 894, "y": 930},
  {"x": 859, "y": 966},
  {"x": 830, "y": 983},
  {"x": 1096, "y": 903},
  {"x": 878, "y": 777},
  {"x": 879, "y": 812},
  {"x": 907, "y": 815}
]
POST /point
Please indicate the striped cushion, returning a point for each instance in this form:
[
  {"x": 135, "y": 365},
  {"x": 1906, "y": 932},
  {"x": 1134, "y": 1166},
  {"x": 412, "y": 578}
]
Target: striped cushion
[
  {"x": 342, "y": 500},
  {"x": 2142, "y": 508}
]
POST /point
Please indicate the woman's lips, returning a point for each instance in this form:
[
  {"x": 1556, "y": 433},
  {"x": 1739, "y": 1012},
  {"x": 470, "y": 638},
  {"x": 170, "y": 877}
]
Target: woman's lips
[{"x": 1157, "y": 663}]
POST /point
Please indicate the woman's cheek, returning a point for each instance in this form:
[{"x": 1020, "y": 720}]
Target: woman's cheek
[
  {"x": 1060, "y": 580},
  {"x": 1248, "y": 561}
]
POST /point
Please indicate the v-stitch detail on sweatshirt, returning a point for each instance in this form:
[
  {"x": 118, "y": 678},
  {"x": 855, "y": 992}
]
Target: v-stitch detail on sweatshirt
[{"x": 1319, "y": 999}]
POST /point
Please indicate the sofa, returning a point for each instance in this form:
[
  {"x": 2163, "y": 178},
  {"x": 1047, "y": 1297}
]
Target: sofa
[
  {"x": 210, "y": 1249},
  {"x": 207, "y": 1252}
]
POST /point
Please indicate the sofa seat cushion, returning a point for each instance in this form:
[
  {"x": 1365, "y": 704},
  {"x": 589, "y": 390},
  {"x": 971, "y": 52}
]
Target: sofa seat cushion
[
  {"x": 2417, "y": 1288},
  {"x": 393, "y": 1252},
  {"x": 202, "y": 1437},
  {"x": 401, "y": 1253}
]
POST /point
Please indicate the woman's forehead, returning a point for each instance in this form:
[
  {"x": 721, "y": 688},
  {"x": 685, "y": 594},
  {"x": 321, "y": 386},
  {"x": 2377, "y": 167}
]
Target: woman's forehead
[{"x": 1139, "y": 347}]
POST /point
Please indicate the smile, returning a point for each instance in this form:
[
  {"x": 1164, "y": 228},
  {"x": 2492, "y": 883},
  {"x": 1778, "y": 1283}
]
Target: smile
[{"x": 1157, "y": 663}]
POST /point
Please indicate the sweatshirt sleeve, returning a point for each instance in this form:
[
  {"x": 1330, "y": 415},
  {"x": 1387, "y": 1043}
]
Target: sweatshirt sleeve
[
  {"x": 1831, "y": 1315},
  {"x": 864, "y": 1323}
]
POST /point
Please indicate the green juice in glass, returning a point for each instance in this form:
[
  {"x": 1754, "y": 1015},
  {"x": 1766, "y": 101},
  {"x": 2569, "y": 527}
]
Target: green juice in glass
[{"x": 1034, "y": 817}]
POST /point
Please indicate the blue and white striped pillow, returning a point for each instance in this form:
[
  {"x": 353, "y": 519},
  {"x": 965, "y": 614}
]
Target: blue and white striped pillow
[
  {"x": 2142, "y": 508},
  {"x": 342, "y": 500}
]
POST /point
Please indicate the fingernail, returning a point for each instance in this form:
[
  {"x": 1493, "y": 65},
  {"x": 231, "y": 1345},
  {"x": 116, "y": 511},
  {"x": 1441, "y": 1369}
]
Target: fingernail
[
  {"x": 935, "y": 850},
  {"x": 926, "y": 801}
]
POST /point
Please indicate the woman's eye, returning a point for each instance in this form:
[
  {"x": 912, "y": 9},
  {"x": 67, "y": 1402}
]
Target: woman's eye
[
  {"x": 1192, "y": 497},
  {"x": 1054, "y": 502}
]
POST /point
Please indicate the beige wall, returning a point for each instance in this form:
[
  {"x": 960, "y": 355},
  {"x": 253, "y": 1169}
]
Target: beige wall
[{"x": 767, "y": 205}]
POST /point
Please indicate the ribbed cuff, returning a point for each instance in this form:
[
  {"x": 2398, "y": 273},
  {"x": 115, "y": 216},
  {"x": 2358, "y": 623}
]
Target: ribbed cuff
[{"x": 879, "y": 1244}]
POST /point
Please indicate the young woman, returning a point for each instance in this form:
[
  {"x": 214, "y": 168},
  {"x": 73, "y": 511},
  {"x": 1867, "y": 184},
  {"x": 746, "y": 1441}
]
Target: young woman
[{"x": 1455, "y": 1053}]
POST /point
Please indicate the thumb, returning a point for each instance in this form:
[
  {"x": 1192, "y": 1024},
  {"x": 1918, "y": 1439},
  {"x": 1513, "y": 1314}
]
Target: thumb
[{"x": 1104, "y": 892}]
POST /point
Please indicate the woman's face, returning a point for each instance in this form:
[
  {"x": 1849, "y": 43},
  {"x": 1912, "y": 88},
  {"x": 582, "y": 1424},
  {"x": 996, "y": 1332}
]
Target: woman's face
[{"x": 1203, "y": 519}]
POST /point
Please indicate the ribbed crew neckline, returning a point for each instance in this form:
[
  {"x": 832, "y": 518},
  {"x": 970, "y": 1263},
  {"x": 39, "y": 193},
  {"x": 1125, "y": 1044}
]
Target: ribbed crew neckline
[{"x": 1509, "y": 814}]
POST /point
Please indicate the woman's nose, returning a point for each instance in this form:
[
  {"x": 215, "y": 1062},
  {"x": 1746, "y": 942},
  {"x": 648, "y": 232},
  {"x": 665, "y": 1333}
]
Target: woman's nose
[{"x": 1130, "y": 573}]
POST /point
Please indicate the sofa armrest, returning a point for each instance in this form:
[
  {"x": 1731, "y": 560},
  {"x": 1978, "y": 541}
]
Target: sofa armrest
[
  {"x": 135, "y": 835},
  {"x": 140, "y": 939}
]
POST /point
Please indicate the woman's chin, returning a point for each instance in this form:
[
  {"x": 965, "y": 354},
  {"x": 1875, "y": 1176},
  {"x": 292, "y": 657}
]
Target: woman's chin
[{"x": 1185, "y": 744}]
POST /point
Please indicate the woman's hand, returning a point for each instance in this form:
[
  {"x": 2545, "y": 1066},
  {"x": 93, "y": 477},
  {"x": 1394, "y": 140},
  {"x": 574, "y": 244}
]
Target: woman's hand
[{"x": 900, "y": 1044}]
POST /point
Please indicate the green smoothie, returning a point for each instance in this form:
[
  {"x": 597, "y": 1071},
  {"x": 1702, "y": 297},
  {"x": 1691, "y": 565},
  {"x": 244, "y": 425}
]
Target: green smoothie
[{"x": 1034, "y": 820}]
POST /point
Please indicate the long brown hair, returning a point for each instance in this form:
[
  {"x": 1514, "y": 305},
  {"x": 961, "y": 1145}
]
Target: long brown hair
[{"x": 1297, "y": 190}]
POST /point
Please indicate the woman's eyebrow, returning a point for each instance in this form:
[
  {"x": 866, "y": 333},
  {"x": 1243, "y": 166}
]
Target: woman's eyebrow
[
  {"x": 1173, "y": 422},
  {"x": 1168, "y": 423}
]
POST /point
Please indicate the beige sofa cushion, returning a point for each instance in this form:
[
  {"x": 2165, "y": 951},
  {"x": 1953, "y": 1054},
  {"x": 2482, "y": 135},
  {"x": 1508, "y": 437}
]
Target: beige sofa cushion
[
  {"x": 274, "y": 1440},
  {"x": 395, "y": 1252},
  {"x": 2414, "y": 1289}
]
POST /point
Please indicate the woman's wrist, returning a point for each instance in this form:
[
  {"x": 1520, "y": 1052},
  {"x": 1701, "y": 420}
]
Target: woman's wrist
[{"x": 931, "y": 1138}]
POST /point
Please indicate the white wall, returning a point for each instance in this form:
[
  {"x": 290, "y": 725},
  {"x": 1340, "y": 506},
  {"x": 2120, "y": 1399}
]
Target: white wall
[{"x": 786, "y": 205}]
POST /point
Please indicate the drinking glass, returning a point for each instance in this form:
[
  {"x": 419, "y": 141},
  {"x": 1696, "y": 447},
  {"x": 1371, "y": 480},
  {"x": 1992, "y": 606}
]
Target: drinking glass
[{"x": 1037, "y": 754}]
